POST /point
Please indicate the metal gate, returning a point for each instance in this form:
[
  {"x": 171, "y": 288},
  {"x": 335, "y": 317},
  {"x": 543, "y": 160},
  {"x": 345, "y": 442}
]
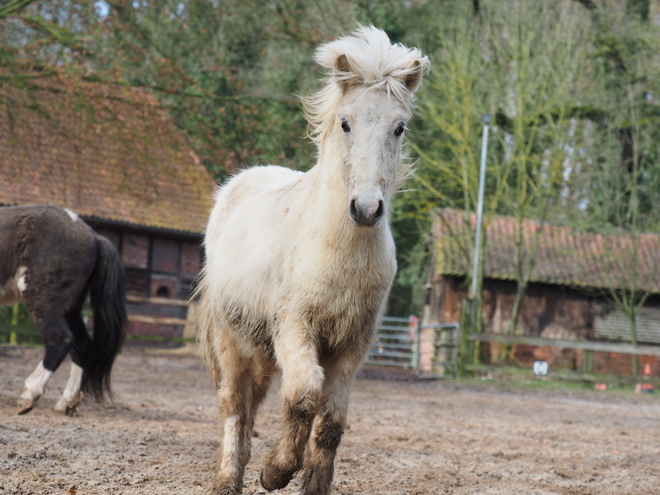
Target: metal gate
[
  {"x": 396, "y": 343},
  {"x": 430, "y": 350}
]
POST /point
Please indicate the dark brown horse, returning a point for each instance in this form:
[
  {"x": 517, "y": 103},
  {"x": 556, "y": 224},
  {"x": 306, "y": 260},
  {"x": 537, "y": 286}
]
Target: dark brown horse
[{"x": 50, "y": 259}]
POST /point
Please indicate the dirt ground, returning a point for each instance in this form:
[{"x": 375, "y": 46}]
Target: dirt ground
[{"x": 404, "y": 437}]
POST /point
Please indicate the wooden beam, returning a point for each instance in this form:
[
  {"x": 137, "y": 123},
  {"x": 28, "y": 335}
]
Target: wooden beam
[
  {"x": 565, "y": 375},
  {"x": 163, "y": 320},
  {"x": 585, "y": 345},
  {"x": 156, "y": 300}
]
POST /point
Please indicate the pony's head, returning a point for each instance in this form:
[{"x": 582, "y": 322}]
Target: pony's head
[{"x": 359, "y": 118}]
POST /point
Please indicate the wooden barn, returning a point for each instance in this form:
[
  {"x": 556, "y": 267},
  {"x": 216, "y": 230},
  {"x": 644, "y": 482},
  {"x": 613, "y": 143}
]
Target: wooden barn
[
  {"x": 569, "y": 295},
  {"x": 112, "y": 155}
]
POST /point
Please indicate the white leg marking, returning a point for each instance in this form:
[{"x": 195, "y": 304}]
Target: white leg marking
[
  {"x": 10, "y": 292},
  {"x": 229, "y": 441},
  {"x": 21, "y": 283},
  {"x": 73, "y": 215},
  {"x": 34, "y": 388},
  {"x": 71, "y": 396}
]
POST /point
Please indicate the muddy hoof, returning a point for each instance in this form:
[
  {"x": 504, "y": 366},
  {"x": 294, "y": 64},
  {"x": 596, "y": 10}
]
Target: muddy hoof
[
  {"x": 224, "y": 489},
  {"x": 24, "y": 406},
  {"x": 71, "y": 411},
  {"x": 274, "y": 481},
  {"x": 69, "y": 407}
]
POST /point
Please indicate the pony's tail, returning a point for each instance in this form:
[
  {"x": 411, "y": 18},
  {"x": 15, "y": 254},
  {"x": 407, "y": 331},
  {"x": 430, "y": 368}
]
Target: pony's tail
[
  {"x": 205, "y": 324},
  {"x": 107, "y": 293}
]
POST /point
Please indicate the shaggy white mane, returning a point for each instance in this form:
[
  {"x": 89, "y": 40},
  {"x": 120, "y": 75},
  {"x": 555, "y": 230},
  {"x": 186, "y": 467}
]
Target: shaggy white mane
[{"x": 374, "y": 62}]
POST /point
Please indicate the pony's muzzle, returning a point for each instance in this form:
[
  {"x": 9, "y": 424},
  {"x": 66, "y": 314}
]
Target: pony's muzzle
[{"x": 366, "y": 213}]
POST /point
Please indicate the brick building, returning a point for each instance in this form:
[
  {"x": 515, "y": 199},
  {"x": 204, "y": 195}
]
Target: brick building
[
  {"x": 569, "y": 293},
  {"x": 111, "y": 155}
]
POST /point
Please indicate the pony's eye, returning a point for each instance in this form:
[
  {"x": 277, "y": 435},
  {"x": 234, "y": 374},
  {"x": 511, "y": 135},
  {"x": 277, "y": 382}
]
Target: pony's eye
[
  {"x": 399, "y": 129},
  {"x": 344, "y": 126}
]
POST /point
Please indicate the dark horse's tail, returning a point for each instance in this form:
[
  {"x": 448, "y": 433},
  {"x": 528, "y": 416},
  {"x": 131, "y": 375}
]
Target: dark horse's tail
[{"x": 107, "y": 292}]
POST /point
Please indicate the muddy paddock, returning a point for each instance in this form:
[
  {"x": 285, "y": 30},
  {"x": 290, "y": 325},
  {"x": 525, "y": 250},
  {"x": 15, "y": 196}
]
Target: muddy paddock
[{"x": 404, "y": 436}]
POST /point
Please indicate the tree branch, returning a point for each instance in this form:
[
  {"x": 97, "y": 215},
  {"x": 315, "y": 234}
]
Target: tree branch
[
  {"x": 13, "y": 6},
  {"x": 53, "y": 30}
]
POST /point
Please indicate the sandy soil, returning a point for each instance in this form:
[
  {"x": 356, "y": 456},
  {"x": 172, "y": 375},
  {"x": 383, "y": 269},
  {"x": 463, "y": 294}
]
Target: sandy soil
[{"x": 405, "y": 437}]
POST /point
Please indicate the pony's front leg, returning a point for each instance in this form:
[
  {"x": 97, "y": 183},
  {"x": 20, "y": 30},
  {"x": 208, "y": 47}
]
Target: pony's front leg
[
  {"x": 328, "y": 426},
  {"x": 302, "y": 381}
]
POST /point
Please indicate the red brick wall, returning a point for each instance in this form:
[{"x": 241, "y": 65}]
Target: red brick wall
[
  {"x": 113, "y": 236},
  {"x": 190, "y": 259},
  {"x": 135, "y": 251},
  {"x": 547, "y": 311},
  {"x": 621, "y": 364}
]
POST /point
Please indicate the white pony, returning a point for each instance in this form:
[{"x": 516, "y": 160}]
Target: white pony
[{"x": 299, "y": 265}]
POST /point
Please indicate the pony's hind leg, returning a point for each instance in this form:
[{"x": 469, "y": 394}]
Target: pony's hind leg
[
  {"x": 241, "y": 390},
  {"x": 72, "y": 396},
  {"x": 328, "y": 426},
  {"x": 302, "y": 380},
  {"x": 57, "y": 339}
]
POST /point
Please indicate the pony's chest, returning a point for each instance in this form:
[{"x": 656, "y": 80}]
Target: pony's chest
[
  {"x": 342, "y": 302},
  {"x": 344, "y": 278}
]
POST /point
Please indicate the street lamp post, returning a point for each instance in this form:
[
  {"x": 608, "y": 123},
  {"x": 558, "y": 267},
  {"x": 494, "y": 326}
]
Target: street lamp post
[
  {"x": 469, "y": 318},
  {"x": 480, "y": 207}
]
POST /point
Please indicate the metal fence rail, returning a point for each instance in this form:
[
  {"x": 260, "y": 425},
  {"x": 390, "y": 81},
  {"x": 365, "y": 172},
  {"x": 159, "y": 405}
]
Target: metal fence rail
[
  {"x": 396, "y": 343},
  {"x": 431, "y": 350}
]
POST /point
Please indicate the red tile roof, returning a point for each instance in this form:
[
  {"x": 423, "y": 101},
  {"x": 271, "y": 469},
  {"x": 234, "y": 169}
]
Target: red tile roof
[
  {"x": 104, "y": 151},
  {"x": 565, "y": 256}
]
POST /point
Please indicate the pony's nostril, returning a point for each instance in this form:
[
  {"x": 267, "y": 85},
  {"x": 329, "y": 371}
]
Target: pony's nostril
[
  {"x": 380, "y": 210},
  {"x": 366, "y": 214},
  {"x": 353, "y": 210}
]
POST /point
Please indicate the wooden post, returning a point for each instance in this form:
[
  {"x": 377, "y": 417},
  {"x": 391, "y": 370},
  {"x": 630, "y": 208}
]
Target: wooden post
[
  {"x": 14, "y": 321},
  {"x": 588, "y": 362},
  {"x": 414, "y": 331},
  {"x": 190, "y": 329}
]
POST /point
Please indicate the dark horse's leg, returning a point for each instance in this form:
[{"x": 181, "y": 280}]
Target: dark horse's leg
[
  {"x": 58, "y": 340},
  {"x": 71, "y": 396}
]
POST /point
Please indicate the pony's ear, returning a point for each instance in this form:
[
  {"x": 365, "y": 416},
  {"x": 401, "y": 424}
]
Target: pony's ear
[
  {"x": 414, "y": 75},
  {"x": 342, "y": 65},
  {"x": 344, "y": 73}
]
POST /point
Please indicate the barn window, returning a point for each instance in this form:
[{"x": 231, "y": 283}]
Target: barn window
[{"x": 165, "y": 256}]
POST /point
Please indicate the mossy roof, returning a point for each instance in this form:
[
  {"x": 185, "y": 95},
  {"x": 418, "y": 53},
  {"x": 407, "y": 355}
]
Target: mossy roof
[
  {"x": 560, "y": 255},
  {"x": 104, "y": 151}
]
